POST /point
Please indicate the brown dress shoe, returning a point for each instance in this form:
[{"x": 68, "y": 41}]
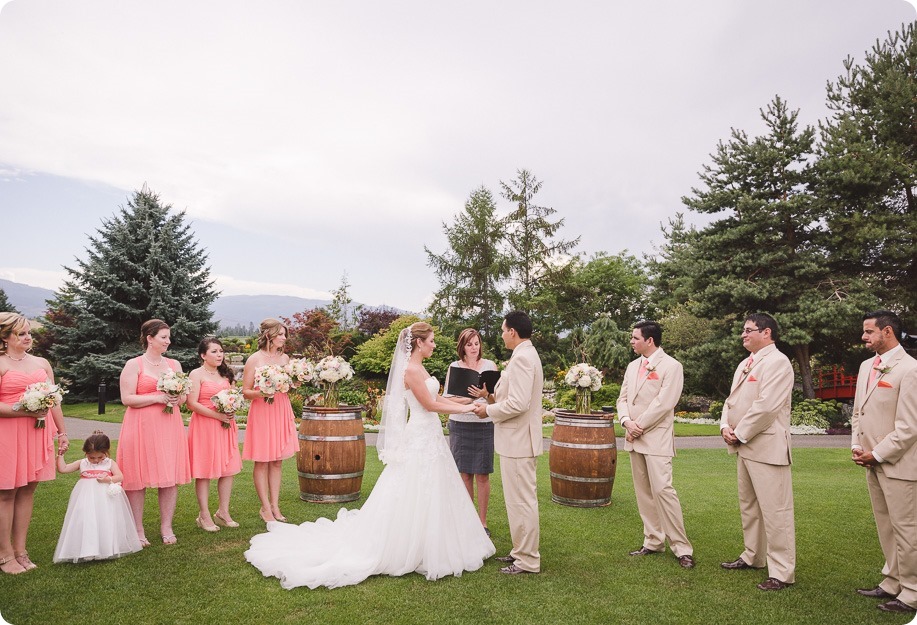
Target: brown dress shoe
[
  {"x": 875, "y": 593},
  {"x": 512, "y": 569},
  {"x": 896, "y": 606},
  {"x": 686, "y": 562},
  {"x": 772, "y": 583},
  {"x": 509, "y": 559},
  {"x": 738, "y": 564},
  {"x": 643, "y": 551}
]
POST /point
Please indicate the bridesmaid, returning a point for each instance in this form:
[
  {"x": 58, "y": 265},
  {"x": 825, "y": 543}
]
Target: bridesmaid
[
  {"x": 270, "y": 436},
  {"x": 213, "y": 438},
  {"x": 26, "y": 452},
  {"x": 152, "y": 450}
]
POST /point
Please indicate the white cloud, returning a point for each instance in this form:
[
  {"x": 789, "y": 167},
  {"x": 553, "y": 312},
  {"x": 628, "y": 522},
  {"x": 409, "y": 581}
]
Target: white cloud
[
  {"x": 42, "y": 278},
  {"x": 228, "y": 285}
]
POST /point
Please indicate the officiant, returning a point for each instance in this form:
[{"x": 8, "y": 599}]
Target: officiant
[{"x": 470, "y": 438}]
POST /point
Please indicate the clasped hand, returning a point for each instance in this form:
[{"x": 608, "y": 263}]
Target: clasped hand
[
  {"x": 864, "y": 458},
  {"x": 634, "y": 431},
  {"x": 729, "y": 436}
]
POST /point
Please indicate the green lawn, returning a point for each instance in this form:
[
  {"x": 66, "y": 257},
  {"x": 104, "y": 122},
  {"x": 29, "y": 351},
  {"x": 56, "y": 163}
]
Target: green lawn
[{"x": 587, "y": 575}]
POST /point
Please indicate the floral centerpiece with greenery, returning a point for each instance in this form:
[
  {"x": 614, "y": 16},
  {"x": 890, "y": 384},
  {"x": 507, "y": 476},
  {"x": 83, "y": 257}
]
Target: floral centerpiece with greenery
[
  {"x": 585, "y": 379},
  {"x": 328, "y": 372}
]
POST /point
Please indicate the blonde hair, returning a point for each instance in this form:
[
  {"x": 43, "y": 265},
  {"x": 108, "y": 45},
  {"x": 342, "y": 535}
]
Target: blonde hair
[
  {"x": 420, "y": 331},
  {"x": 270, "y": 328},
  {"x": 10, "y": 322}
]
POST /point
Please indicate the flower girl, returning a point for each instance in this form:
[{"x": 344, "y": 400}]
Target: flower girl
[{"x": 99, "y": 524}]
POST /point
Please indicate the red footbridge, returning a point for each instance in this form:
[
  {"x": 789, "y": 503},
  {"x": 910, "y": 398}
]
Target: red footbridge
[{"x": 834, "y": 383}]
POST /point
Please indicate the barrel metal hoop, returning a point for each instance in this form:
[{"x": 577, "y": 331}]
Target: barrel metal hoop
[
  {"x": 329, "y": 498},
  {"x": 581, "y": 503},
  {"x": 330, "y": 476},
  {"x": 583, "y": 423},
  {"x": 582, "y": 445},
  {"x": 591, "y": 480},
  {"x": 349, "y": 416},
  {"x": 305, "y": 437}
]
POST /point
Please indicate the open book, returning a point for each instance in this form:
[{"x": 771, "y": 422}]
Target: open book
[{"x": 461, "y": 378}]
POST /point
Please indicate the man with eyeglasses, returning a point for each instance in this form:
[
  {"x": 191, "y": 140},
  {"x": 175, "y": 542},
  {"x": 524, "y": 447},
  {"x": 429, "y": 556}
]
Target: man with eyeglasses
[
  {"x": 884, "y": 440},
  {"x": 756, "y": 428}
]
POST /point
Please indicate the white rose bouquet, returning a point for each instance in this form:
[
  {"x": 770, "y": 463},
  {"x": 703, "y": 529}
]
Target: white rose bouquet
[
  {"x": 300, "y": 371},
  {"x": 329, "y": 371},
  {"x": 40, "y": 397},
  {"x": 173, "y": 384},
  {"x": 228, "y": 401},
  {"x": 271, "y": 379},
  {"x": 585, "y": 379}
]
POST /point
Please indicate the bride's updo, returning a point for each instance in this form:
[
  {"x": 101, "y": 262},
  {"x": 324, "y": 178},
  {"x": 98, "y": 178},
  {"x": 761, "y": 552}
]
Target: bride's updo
[{"x": 420, "y": 331}]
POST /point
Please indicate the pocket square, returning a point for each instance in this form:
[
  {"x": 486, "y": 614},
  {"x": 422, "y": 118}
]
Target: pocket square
[
  {"x": 884, "y": 384},
  {"x": 752, "y": 378},
  {"x": 652, "y": 376}
]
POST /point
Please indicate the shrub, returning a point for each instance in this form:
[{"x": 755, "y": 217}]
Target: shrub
[
  {"x": 816, "y": 413},
  {"x": 693, "y": 403},
  {"x": 716, "y": 410}
]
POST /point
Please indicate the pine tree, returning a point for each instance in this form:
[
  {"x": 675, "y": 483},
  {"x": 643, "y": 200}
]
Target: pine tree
[
  {"x": 5, "y": 304},
  {"x": 867, "y": 171},
  {"x": 143, "y": 263},
  {"x": 530, "y": 238},
  {"x": 767, "y": 254},
  {"x": 471, "y": 270}
]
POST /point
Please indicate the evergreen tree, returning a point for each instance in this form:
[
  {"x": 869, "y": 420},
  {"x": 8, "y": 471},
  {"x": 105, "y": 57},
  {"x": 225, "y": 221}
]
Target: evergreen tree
[
  {"x": 471, "y": 270},
  {"x": 531, "y": 241},
  {"x": 767, "y": 254},
  {"x": 143, "y": 263},
  {"x": 341, "y": 308},
  {"x": 868, "y": 171},
  {"x": 5, "y": 304}
]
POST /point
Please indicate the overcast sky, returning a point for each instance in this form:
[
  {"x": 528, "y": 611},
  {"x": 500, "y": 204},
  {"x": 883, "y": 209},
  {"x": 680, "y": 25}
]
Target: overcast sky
[{"x": 307, "y": 139}]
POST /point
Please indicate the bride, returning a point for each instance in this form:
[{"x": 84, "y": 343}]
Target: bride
[{"x": 418, "y": 516}]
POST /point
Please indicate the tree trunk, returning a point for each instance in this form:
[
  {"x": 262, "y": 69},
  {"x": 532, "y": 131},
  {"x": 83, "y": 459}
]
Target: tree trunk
[{"x": 801, "y": 352}]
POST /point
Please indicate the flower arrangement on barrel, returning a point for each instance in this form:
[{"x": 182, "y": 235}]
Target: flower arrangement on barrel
[
  {"x": 584, "y": 378},
  {"x": 329, "y": 371}
]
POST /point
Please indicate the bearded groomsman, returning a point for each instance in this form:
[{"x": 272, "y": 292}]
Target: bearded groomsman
[
  {"x": 756, "y": 427},
  {"x": 646, "y": 408},
  {"x": 884, "y": 440}
]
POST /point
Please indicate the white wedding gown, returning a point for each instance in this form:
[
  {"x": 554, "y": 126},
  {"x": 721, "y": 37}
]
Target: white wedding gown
[{"x": 418, "y": 517}]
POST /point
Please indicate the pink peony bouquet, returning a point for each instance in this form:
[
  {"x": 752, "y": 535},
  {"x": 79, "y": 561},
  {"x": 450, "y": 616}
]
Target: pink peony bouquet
[
  {"x": 300, "y": 371},
  {"x": 40, "y": 397},
  {"x": 228, "y": 401},
  {"x": 270, "y": 379},
  {"x": 174, "y": 384}
]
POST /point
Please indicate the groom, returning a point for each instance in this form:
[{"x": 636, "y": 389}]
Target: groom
[{"x": 515, "y": 406}]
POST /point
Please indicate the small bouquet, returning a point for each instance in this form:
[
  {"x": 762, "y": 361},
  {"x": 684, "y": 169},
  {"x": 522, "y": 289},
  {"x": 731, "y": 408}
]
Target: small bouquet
[
  {"x": 174, "y": 384},
  {"x": 584, "y": 378},
  {"x": 300, "y": 371},
  {"x": 329, "y": 371},
  {"x": 40, "y": 397},
  {"x": 114, "y": 490},
  {"x": 228, "y": 401},
  {"x": 270, "y": 379}
]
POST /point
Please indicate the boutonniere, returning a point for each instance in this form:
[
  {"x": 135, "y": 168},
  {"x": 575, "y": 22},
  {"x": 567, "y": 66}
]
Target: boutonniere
[
  {"x": 883, "y": 370},
  {"x": 650, "y": 369},
  {"x": 746, "y": 369}
]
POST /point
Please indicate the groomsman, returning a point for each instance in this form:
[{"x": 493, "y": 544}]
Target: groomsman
[
  {"x": 515, "y": 406},
  {"x": 756, "y": 427},
  {"x": 885, "y": 442},
  {"x": 646, "y": 409}
]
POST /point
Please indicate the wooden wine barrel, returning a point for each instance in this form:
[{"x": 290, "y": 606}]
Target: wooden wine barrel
[
  {"x": 583, "y": 459},
  {"x": 332, "y": 454}
]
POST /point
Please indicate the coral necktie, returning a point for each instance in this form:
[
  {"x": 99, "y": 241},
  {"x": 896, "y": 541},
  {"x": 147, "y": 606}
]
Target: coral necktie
[{"x": 875, "y": 371}]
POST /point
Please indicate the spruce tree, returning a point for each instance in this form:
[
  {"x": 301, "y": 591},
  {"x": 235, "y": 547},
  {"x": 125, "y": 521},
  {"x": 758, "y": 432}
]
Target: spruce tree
[
  {"x": 143, "y": 263},
  {"x": 471, "y": 270},
  {"x": 5, "y": 304},
  {"x": 531, "y": 239}
]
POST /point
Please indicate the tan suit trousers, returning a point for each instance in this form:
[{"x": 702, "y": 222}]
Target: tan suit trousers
[
  {"x": 658, "y": 503},
  {"x": 520, "y": 492},
  {"x": 894, "y": 503},
  {"x": 766, "y": 504}
]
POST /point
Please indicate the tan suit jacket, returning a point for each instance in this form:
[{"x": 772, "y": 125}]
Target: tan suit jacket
[
  {"x": 758, "y": 407},
  {"x": 650, "y": 400},
  {"x": 517, "y": 412},
  {"x": 885, "y": 415}
]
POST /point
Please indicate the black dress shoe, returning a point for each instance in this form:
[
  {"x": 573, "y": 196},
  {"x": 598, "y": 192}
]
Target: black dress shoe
[
  {"x": 772, "y": 583},
  {"x": 738, "y": 564},
  {"x": 875, "y": 593},
  {"x": 509, "y": 559},
  {"x": 643, "y": 551},
  {"x": 686, "y": 562},
  {"x": 896, "y": 606}
]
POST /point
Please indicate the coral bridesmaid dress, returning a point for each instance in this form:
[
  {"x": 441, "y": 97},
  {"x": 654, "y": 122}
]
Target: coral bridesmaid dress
[
  {"x": 214, "y": 450},
  {"x": 26, "y": 452},
  {"x": 271, "y": 431}
]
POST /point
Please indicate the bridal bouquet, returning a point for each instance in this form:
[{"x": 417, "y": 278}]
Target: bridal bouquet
[
  {"x": 228, "y": 401},
  {"x": 584, "y": 378},
  {"x": 300, "y": 371},
  {"x": 174, "y": 384},
  {"x": 270, "y": 379},
  {"x": 40, "y": 397},
  {"x": 329, "y": 371}
]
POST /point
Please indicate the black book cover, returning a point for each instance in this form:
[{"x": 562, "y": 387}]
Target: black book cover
[{"x": 460, "y": 378}]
